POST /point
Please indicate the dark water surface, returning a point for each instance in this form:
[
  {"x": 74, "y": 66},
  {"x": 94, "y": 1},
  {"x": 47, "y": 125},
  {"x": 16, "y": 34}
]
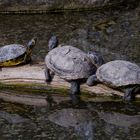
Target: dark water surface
[
  {"x": 96, "y": 121},
  {"x": 116, "y": 34}
]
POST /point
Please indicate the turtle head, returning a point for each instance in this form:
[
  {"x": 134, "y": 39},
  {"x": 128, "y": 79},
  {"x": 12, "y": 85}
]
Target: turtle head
[
  {"x": 31, "y": 44},
  {"x": 96, "y": 58},
  {"x": 53, "y": 43}
]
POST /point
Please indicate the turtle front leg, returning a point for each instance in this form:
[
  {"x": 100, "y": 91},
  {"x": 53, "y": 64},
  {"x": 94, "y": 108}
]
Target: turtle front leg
[
  {"x": 92, "y": 80},
  {"x": 129, "y": 94},
  {"x": 48, "y": 75},
  {"x": 28, "y": 60},
  {"x": 75, "y": 92}
]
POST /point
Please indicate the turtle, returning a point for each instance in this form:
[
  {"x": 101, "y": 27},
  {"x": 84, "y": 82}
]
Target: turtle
[
  {"x": 15, "y": 54},
  {"x": 69, "y": 63},
  {"x": 118, "y": 74}
]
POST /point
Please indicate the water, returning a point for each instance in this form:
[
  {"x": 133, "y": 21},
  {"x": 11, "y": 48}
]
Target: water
[
  {"x": 116, "y": 34},
  {"x": 99, "y": 121}
]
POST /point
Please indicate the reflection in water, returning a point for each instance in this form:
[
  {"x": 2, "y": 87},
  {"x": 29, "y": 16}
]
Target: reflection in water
[
  {"x": 99, "y": 121},
  {"x": 79, "y": 119},
  {"x": 119, "y": 119},
  {"x": 12, "y": 118}
]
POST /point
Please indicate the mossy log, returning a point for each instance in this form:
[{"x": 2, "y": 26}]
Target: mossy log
[{"x": 31, "y": 79}]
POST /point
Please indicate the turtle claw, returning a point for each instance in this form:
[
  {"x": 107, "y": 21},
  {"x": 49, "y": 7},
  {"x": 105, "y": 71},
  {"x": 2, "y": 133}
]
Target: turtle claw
[
  {"x": 129, "y": 94},
  {"x": 128, "y": 98},
  {"x": 48, "y": 81},
  {"x": 31, "y": 62}
]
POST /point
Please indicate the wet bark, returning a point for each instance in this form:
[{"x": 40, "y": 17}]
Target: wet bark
[
  {"x": 25, "y": 80},
  {"x": 34, "y": 77}
]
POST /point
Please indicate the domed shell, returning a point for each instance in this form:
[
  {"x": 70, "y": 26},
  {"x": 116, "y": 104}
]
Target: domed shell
[
  {"x": 11, "y": 51},
  {"x": 119, "y": 73},
  {"x": 70, "y": 63}
]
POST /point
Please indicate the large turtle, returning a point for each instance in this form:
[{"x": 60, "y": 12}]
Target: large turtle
[
  {"x": 15, "y": 54},
  {"x": 71, "y": 64},
  {"x": 119, "y": 74}
]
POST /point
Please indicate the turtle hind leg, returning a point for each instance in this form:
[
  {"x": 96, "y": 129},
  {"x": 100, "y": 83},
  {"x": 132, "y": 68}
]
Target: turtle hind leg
[
  {"x": 75, "y": 92},
  {"x": 130, "y": 93},
  {"x": 48, "y": 75}
]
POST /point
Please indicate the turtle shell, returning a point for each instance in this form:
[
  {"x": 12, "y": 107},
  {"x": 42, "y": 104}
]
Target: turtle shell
[
  {"x": 12, "y": 51},
  {"x": 119, "y": 73},
  {"x": 70, "y": 63}
]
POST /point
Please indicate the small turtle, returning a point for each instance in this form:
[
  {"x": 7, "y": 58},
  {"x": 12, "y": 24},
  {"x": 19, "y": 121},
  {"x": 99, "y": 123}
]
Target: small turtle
[
  {"x": 120, "y": 74},
  {"x": 15, "y": 54},
  {"x": 69, "y": 63}
]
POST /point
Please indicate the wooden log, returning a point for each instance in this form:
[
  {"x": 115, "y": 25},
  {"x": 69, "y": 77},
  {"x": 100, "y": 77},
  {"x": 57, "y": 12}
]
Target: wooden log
[{"x": 26, "y": 77}]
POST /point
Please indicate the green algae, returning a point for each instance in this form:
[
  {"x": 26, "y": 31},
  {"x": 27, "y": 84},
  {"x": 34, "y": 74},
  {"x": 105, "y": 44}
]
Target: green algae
[
  {"x": 32, "y": 88},
  {"x": 42, "y": 90}
]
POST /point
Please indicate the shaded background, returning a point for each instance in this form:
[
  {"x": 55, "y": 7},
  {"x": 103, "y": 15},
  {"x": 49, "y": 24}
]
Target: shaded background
[
  {"x": 15, "y": 5},
  {"x": 114, "y": 32}
]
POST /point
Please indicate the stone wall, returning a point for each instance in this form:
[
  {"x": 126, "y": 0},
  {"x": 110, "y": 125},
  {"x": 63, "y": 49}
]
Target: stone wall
[{"x": 21, "y": 5}]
